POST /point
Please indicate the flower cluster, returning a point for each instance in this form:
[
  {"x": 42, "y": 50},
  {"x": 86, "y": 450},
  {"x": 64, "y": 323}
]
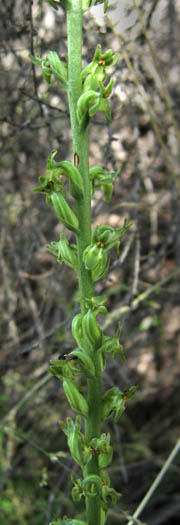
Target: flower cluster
[
  {"x": 95, "y": 93},
  {"x": 88, "y": 358},
  {"x": 103, "y": 239}
]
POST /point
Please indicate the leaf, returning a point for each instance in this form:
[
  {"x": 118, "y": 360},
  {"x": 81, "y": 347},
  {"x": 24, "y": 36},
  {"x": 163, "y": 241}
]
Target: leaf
[{"x": 54, "y": 4}]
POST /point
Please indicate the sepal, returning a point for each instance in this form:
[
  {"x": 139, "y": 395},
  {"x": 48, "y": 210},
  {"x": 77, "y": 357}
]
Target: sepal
[
  {"x": 64, "y": 251},
  {"x": 58, "y": 67},
  {"x": 114, "y": 402},
  {"x": 104, "y": 180},
  {"x": 102, "y": 60},
  {"x": 99, "y": 447},
  {"x": 112, "y": 346},
  {"x": 107, "y": 236},
  {"x": 51, "y": 65},
  {"x": 105, "y": 92},
  {"x": 108, "y": 494},
  {"x": 43, "y": 63},
  {"x": 62, "y": 368},
  {"x": 96, "y": 303}
]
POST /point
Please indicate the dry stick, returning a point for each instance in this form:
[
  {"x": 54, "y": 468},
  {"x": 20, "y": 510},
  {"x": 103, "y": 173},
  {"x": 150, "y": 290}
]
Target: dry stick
[
  {"x": 123, "y": 310},
  {"x": 144, "y": 98},
  {"x": 32, "y": 53},
  {"x": 155, "y": 483},
  {"x": 163, "y": 85}
]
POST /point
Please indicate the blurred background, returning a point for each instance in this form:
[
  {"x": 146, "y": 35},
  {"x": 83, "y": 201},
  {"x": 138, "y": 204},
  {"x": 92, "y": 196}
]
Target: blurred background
[{"x": 38, "y": 298}]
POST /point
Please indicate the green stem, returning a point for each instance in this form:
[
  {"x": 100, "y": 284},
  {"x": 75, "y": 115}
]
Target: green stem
[
  {"x": 80, "y": 146},
  {"x": 80, "y": 141}
]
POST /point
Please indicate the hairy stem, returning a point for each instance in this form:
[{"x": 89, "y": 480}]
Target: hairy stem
[{"x": 80, "y": 146}]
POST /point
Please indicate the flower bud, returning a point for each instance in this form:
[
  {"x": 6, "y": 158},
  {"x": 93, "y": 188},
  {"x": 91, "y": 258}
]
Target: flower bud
[
  {"x": 91, "y": 330},
  {"x": 77, "y": 330},
  {"x": 92, "y": 485},
  {"x": 101, "y": 268},
  {"x": 95, "y": 259},
  {"x": 87, "y": 106},
  {"x": 85, "y": 361},
  {"x": 74, "y": 438},
  {"x": 76, "y": 183},
  {"x": 77, "y": 402},
  {"x": 64, "y": 212},
  {"x": 90, "y": 256}
]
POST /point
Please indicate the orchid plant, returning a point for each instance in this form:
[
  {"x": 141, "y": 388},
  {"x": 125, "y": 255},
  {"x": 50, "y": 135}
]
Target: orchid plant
[{"x": 87, "y": 92}]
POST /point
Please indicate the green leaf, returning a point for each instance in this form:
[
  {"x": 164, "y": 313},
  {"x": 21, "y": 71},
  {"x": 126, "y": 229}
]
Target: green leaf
[{"x": 54, "y": 4}]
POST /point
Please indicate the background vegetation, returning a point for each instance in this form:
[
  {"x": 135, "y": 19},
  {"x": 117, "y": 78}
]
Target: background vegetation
[{"x": 38, "y": 297}]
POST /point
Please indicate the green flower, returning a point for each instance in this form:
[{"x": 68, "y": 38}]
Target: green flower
[{"x": 100, "y": 62}]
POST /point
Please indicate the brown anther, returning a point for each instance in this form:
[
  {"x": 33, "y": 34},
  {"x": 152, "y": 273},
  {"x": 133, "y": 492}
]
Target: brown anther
[
  {"x": 95, "y": 452},
  {"x": 101, "y": 62},
  {"x": 100, "y": 244},
  {"x": 106, "y": 95}
]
